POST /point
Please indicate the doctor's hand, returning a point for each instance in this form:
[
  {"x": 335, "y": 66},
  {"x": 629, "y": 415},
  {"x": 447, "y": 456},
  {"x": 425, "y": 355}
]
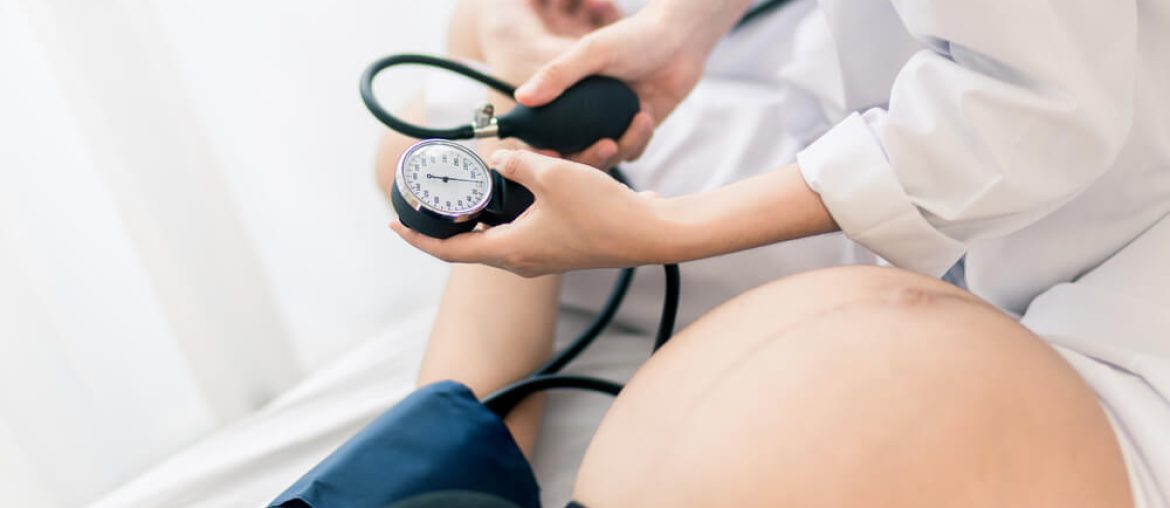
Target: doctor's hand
[
  {"x": 581, "y": 218},
  {"x": 660, "y": 52}
]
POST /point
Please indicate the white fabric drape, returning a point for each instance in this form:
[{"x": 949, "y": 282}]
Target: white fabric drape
[{"x": 188, "y": 221}]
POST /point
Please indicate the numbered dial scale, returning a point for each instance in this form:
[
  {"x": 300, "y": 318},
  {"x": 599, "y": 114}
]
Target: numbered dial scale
[{"x": 442, "y": 189}]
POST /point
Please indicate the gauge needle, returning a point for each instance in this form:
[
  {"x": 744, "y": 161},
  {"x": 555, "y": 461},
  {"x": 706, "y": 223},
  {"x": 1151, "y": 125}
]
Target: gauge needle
[{"x": 446, "y": 178}]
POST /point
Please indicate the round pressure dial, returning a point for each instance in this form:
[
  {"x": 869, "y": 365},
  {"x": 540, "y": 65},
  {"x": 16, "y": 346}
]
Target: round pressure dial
[
  {"x": 444, "y": 178},
  {"x": 442, "y": 189}
]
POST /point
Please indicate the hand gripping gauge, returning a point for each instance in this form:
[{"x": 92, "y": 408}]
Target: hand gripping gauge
[{"x": 442, "y": 188}]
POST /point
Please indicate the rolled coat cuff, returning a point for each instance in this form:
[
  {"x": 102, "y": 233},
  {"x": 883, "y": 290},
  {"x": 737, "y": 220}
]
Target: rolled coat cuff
[{"x": 849, "y": 169}]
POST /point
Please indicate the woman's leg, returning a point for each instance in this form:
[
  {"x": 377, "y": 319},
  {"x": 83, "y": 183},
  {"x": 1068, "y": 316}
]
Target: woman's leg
[{"x": 850, "y": 387}]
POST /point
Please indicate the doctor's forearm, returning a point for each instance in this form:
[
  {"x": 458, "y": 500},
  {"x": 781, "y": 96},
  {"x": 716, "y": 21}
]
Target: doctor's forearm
[{"x": 769, "y": 208}]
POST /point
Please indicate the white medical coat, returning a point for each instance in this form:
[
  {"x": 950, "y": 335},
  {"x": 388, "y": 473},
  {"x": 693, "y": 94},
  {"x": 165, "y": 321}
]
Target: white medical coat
[{"x": 1031, "y": 136}]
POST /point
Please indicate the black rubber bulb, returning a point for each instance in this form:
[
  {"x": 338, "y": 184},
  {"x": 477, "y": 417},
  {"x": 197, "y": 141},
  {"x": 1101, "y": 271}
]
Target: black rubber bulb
[{"x": 597, "y": 107}]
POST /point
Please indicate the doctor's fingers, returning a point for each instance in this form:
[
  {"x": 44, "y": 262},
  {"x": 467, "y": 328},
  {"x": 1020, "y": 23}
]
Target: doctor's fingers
[
  {"x": 530, "y": 169},
  {"x": 606, "y": 153},
  {"x": 637, "y": 136},
  {"x": 588, "y": 56},
  {"x": 471, "y": 247},
  {"x": 602, "y": 155},
  {"x": 500, "y": 246}
]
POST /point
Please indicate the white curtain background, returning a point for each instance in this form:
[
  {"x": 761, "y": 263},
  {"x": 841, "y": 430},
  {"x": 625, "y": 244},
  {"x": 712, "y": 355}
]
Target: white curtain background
[{"x": 188, "y": 221}]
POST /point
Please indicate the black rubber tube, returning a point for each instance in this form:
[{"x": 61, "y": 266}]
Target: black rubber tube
[
  {"x": 503, "y": 401},
  {"x": 669, "y": 306},
  {"x": 366, "y": 85},
  {"x": 759, "y": 10},
  {"x": 620, "y": 287}
]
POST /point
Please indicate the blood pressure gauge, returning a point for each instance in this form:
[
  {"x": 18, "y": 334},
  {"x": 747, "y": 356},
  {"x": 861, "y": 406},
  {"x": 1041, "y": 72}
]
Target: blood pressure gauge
[{"x": 442, "y": 188}]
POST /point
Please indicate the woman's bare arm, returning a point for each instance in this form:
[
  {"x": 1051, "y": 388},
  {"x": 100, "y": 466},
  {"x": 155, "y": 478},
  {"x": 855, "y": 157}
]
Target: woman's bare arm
[{"x": 494, "y": 327}]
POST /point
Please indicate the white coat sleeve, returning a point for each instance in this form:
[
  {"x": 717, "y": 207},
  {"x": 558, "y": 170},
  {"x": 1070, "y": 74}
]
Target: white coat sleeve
[{"x": 1018, "y": 106}]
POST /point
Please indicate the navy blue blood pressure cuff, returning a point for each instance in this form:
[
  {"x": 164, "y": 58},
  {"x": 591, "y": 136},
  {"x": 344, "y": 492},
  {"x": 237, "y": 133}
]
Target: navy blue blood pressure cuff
[{"x": 439, "y": 447}]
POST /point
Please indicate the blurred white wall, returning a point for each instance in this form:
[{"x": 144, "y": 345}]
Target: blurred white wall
[
  {"x": 188, "y": 220},
  {"x": 275, "y": 86}
]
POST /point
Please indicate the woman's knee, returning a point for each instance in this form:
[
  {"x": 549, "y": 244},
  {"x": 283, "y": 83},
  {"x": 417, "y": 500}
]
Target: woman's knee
[{"x": 860, "y": 386}]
